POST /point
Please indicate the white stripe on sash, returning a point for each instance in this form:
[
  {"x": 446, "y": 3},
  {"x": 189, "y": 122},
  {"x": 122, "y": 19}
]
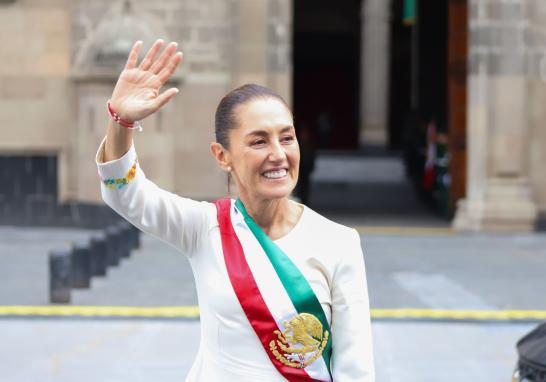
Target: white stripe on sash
[{"x": 271, "y": 288}]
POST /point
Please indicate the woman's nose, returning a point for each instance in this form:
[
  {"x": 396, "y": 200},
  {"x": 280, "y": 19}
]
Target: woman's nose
[{"x": 277, "y": 152}]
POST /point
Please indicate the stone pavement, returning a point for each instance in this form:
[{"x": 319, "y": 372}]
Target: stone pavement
[
  {"x": 156, "y": 275},
  {"x": 466, "y": 271},
  {"x": 143, "y": 351},
  {"x": 24, "y": 261},
  {"x": 374, "y": 191},
  {"x": 472, "y": 271}
]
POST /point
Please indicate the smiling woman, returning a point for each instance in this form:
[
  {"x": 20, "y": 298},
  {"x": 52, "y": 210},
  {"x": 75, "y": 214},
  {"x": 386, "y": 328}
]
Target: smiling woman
[
  {"x": 282, "y": 290},
  {"x": 256, "y": 143}
]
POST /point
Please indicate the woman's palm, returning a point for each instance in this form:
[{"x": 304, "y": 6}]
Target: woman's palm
[{"x": 136, "y": 94}]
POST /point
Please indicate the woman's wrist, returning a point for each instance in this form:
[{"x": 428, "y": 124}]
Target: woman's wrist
[
  {"x": 121, "y": 121},
  {"x": 118, "y": 141}
]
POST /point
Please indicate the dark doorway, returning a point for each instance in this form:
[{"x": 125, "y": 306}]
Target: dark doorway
[
  {"x": 427, "y": 87},
  {"x": 427, "y": 40},
  {"x": 399, "y": 76},
  {"x": 428, "y": 97},
  {"x": 326, "y": 85}
]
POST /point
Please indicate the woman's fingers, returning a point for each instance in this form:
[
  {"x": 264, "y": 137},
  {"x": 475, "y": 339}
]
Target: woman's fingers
[
  {"x": 164, "y": 97},
  {"x": 167, "y": 53},
  {"x": 133, "y": 55},
  {"x": 169, "y": 69},
  {"x": 149, "y": 58}
]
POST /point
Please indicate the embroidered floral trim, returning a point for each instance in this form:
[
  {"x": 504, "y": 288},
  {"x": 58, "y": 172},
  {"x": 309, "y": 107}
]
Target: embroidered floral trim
[{"x": 116, "y": 184}]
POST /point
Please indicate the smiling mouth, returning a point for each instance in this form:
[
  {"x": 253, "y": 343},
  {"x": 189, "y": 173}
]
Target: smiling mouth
[{"x": 278, "y": 174}]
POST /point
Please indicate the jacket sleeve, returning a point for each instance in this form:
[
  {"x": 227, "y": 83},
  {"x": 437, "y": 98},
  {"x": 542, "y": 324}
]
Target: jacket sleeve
[
  {"x": 352, "y": 349},
  {"x": 181, "y": 222}
]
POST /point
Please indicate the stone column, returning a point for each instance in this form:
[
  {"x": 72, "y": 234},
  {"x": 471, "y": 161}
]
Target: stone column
[
  {"x": 250, "y": 52},
  {"x": 375, "y": 47},
  {"x": 262, "y": 53},
  {"x": 536, "y": 40},
  {"x": 498, "y": 190},
  {"x": 279, "y": 44}
]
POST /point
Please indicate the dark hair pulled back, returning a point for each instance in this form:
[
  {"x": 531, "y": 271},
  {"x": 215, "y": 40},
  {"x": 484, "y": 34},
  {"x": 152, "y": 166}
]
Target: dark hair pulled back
[{"x": 225, "y": 118}]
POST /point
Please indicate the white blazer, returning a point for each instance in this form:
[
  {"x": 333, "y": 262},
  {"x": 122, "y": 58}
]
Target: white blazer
[{"x": 328, "y": 254}]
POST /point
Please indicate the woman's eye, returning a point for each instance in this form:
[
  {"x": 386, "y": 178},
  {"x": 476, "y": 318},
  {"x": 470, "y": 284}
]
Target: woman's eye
[
  {"x": 288, "y": 139},
  {"x": 258, "y": 142}
]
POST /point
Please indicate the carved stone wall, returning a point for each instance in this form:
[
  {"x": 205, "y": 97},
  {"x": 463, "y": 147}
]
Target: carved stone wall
[{"x": 62, "y": 57}]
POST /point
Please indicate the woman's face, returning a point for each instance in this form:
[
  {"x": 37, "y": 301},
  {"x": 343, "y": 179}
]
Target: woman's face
[{"x": 263, "y": 150}]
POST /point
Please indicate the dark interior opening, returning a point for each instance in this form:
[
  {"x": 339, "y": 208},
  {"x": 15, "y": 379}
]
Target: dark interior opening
[
  {"x": 28, "y": 186},
  {"x": 326, "y": 80},
  {"x": 405, "y": 122}
]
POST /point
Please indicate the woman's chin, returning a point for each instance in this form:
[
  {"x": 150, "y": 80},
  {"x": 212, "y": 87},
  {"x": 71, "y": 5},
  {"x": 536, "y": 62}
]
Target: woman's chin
[{"x": 277, "y": 192}]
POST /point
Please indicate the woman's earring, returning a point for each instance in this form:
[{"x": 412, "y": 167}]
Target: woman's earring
[{"x": 228, "y": 179}]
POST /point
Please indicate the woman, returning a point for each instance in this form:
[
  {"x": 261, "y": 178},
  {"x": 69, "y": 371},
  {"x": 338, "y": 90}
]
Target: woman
[{"x": 282, "y": 290}]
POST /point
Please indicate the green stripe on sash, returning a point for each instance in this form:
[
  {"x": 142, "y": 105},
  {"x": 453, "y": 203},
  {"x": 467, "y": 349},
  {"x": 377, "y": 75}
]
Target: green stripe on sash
[{"x": 295, "y": 284}]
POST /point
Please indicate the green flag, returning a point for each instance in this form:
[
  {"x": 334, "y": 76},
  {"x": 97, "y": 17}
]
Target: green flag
[{"x": 409, "y": 12}]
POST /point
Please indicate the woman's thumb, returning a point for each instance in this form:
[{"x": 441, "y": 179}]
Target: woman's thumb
[{"x": 164, "y": 97}]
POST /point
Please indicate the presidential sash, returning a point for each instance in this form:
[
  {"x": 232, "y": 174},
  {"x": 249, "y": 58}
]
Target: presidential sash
[{"x": 296, "y": 336}]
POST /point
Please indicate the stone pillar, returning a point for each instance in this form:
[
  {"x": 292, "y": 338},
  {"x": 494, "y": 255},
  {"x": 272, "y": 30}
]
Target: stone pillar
[
  {"x": 262, "y": 53},
  {"x": 279, "y": 43},
  {"x": 375, "y": 47},
  {"x": 536, "y": 40},
  {"x": 498, "y": 190},
  {"x": 250, "y": 52}
]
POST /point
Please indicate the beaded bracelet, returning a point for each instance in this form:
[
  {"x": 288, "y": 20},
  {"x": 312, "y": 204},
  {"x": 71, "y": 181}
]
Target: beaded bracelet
[{"x": 127, "y": 124}]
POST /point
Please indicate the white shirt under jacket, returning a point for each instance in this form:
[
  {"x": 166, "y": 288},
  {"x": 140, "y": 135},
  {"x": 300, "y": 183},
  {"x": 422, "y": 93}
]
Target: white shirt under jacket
[{"x": 328, "y": 254}]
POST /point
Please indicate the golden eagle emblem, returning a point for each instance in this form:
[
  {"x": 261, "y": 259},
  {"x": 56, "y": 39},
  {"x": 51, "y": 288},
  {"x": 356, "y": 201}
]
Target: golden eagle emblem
[{"x": 302, "y": 341}]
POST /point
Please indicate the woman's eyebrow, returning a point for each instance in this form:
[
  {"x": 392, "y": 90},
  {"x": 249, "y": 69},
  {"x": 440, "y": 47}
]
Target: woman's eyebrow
[
  {"x": 287, "y": 128},
  {"x": 263, "y": 132},
  {"x": 256, "y": 132}
]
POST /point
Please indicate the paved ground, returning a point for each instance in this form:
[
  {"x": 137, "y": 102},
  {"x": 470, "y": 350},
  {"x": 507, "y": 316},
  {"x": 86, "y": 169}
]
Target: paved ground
[
  {"x": 24, "y": 261},
  {"x": 369, "y": 191},
  {"x": 157, "y": 275},
  {"x": 449, "y": 272},
  {"x": 457, "y": 272},
  {"x": 143, "y": 351}
]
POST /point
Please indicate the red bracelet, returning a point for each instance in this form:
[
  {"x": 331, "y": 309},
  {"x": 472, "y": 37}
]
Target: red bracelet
[{"x": 127, "y": 124}]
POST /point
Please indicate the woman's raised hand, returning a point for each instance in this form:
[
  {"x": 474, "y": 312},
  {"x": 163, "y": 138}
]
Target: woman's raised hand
[{"x": 136, "y": 94}]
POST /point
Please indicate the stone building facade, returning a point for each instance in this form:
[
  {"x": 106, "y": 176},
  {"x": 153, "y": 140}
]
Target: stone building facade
[
  {"x": 225, "y": 44},
  {"x": 60, "y": 59},
  {"x": 506, "y": 132}
]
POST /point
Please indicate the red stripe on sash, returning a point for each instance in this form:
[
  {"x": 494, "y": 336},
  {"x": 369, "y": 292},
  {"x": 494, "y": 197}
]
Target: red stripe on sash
[{"x": 248, "y": 294}]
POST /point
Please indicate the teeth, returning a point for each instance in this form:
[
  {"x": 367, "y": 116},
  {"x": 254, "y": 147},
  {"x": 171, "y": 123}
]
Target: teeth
[{"x": 275, "y": 174}]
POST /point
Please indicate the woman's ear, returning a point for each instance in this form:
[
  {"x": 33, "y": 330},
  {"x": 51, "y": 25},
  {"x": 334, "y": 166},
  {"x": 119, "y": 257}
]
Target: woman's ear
[{"x": 221, "y": 155}]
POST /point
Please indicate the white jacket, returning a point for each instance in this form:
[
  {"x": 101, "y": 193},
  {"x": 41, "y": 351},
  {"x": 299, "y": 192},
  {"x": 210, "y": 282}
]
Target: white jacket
[{"x": 329, "y": 255}]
